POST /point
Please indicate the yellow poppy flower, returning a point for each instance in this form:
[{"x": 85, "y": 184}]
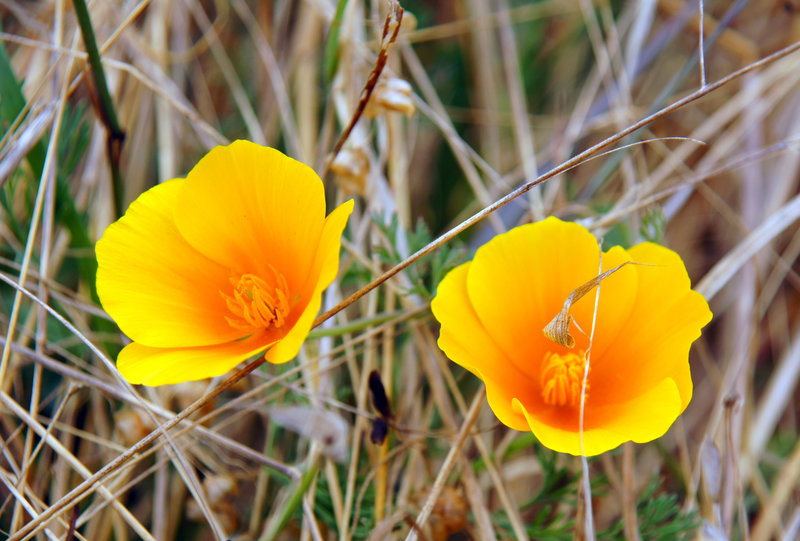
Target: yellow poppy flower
[
  {"x": 493, "y": 309},
  {"x": 204, "y": 272}
]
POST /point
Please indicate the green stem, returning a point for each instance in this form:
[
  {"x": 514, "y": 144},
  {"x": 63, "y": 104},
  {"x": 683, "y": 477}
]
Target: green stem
[
  {"x": 108, "y": 114},
  {"x": 331, "y": 54},
  {"x": 293, "y": 501},
  {"x": 359, "y": 324}
]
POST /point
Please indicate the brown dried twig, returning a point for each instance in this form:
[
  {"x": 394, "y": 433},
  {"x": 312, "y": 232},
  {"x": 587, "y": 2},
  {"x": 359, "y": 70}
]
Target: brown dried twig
[
  {"x": 391, "y": 27},
  {"x": 564, "y": 167},
  {"x": 558, "y": 328}
]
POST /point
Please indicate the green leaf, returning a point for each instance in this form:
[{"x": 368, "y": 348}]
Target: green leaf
[{"x": 331, "y": 55}]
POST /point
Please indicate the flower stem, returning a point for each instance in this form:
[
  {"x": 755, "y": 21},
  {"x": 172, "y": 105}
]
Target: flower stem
[
  {"x": 103, "y": 103},
  {"x": 359, "y": 324},
  {"x": 293, "y": 501}
]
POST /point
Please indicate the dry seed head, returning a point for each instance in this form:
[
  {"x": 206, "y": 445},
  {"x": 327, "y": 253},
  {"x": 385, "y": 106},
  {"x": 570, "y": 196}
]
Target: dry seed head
[
  {"x": 131, "y": 426},
  {"x": 224, "y": 511},
  {"x": 228, "y": 516},
  {"x": 391, "y": 95},
  {"x": 351, "y": 167},
  {"x": 219, "y": 488},
  {"x": 449, "y": 515},
  {"x": 409, "y": 23}
]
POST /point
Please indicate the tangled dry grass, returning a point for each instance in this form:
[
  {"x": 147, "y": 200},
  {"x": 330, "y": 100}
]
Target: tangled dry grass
[{"x": 476, "y": 99}]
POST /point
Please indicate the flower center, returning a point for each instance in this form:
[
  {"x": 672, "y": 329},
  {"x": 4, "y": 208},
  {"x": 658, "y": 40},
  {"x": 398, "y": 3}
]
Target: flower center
[
  {"x": 562, "y": 378},
  {"x": 258, "y": 302}
]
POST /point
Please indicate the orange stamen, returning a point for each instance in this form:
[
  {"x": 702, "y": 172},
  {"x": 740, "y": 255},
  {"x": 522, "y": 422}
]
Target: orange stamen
[
  {"x": 562, "y": 378},
  {"x": 258, "y": 302}
]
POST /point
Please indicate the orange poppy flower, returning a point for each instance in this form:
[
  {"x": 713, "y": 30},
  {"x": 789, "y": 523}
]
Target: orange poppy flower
[
  {"x": 207, "y": 271},
  {"x": 493, "y": 309}
]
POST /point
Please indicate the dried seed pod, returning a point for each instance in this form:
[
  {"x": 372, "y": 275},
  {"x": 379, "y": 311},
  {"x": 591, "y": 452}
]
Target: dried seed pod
[
  {"x": 449, "y": 514},
  {"x": 351, "y": 167},
  {"x": 409, "y": 23},
  {"x": 219, "y": 488},
  {"x": 193, "y": 511},
  {"x": 391, "y": 95},
  {"x": 131, "y": 426},
  {"x": 228, "y": 516},
  {"x": 225, "y": 512}
]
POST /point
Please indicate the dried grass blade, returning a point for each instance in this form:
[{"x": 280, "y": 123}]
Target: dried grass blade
[
  {"x": 724, "y": 270},
  {"x": 391, "y": 27},
  {"x": 75, "y": 463},
  {"x": 449, "y": 462},
  {"x": 558, "y": 328}
]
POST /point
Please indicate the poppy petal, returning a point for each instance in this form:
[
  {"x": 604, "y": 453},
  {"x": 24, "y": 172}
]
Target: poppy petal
[
  {"x": 665, "y": 320},
  {"x": 160, "y": 290},
  {"x": 158, "y": 366},
  {"x": 465, "y": 341},
  {"x": 647, "y": 317},
  {"x": 538, "y": 266},
  {"x": 642, "y": 419},
  {"x": 274, "y": 210},
  {"x": 326, "y": 264},
  {"x": 527, "y": 265}
]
